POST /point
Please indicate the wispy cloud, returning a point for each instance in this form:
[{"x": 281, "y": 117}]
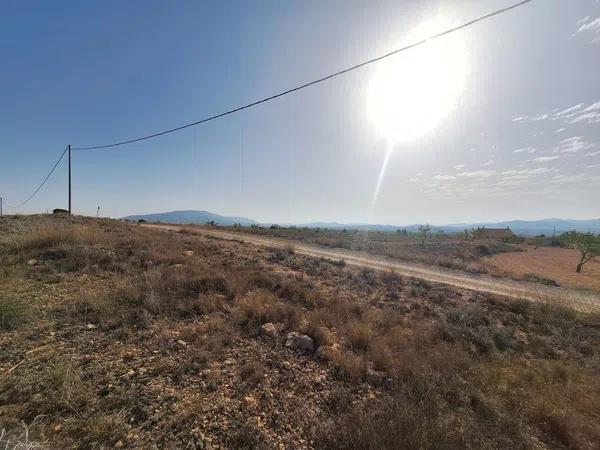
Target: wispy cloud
[
  {"x": 546, "y": 158},
  {"x": 596, "y": 153},
  {"x": 444, "y": 177},
  {"x": 573, "y": 144},
  {"x": 528, "y": 172},
  {"x": 460, "y": 166},
  {"x": 560, "y": 130},
  {"x": 568, "y": 179},
  {"x": 477, "y": 174},
  {"x": 525, "y": 149},
  {"x": 582, "y": 20},
  {"x": 589, "y": 26},
  {"x": 579, "y": 113},
  {"x": 489, "y": 163}
]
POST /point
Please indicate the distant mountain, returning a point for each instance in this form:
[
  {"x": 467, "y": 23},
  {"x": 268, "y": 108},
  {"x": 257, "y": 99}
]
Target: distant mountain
[
  {"x": 520, "y": 227},
  {"x": 191, "y": 217},
  {"x": 355, "y": 226}
]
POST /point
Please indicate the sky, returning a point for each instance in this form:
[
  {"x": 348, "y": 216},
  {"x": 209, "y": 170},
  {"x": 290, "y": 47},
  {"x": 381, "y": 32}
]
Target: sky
[{"x": 498, "y": 121}]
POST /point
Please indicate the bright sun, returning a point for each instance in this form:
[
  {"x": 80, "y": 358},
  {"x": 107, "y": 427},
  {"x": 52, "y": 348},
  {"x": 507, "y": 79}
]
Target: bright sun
[{"x": 409, "y": 94}]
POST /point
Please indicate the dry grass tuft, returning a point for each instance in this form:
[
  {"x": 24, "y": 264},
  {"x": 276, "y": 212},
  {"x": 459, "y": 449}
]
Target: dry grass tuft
[
  {"x": 260, "y": 307},
  {"x": 13, "y": 312}
]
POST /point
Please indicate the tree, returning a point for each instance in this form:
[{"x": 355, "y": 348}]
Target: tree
[
  {"x": 588, "y": 245},
  {"x": 424, "y": 230}
]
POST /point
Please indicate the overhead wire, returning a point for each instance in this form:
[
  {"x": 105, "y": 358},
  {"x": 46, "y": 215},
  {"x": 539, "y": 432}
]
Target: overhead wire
[
  {"x": 277, "y": 95},
  {"x": 42, "y": 183},
  {"x": 310, "y": 83}
]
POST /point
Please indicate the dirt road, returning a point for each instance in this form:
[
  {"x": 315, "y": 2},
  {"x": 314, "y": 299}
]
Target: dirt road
[{"x": 581, "y": 300}]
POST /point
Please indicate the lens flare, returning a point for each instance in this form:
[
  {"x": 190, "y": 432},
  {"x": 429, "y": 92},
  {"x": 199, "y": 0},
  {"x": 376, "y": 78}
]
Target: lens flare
[{"x": 409, "y": 95}]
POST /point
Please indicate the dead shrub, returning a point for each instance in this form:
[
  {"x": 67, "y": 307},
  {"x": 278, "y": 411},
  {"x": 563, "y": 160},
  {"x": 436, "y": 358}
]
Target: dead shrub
[
  {"x": 214, "y": 378},
  {"x": 126, "y": 303},
  {"x": 358, "y": 336},
  {"x": 260, "y": 307},
  {"x": 296, "y": 293},
  {"x": 350, "y": 366},
  {"x": 320, "y": 334},
  {"x": 244, "y": 281},
  {"x": 401, "y": 422},
  {"x": 187, "y": 230},
  {"x": 188, "y": 282},
  {"x": 252, "y": 373},
  {"x": 247, "y": 436},
  {"x": 214, "y": 334},
  {"x": 208, "y": 304},
  {"x": 338, "y": 401},
  {"x": 381, "y": 355}
]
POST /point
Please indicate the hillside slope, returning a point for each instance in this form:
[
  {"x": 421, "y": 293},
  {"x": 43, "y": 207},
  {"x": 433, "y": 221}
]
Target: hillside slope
[{"x": 115, "y": 335}]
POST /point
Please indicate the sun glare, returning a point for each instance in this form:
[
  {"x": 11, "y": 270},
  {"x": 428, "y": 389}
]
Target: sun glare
[{"x": 410, "y": 93}]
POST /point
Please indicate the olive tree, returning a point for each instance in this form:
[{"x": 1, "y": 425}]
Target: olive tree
[{"x": 588, "y": 245}]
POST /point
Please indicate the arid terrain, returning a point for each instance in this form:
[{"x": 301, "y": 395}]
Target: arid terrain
[
  {"x": 114, "y": 335},
  {"x": 452, "y": 251},
  {"x": 548, "y": 262},
  {"x": 526, "y": 286}
]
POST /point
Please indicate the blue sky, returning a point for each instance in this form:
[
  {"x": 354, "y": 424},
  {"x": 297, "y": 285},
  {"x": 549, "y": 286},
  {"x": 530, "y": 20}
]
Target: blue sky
[{"x": 89, "y": 73}]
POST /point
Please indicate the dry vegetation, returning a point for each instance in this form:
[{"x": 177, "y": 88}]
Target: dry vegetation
[
  {"x": 452, "y": 251},
  {"x": 113, "y": 335}
]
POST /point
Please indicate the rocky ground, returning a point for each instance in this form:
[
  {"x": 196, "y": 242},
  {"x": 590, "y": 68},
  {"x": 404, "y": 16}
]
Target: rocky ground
[{"x": 115, "y": 336}]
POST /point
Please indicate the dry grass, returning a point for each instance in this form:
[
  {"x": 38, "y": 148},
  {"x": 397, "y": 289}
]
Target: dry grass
[
  {"x": 260, "y": 307},
  {"x": 13, "y": 312}
]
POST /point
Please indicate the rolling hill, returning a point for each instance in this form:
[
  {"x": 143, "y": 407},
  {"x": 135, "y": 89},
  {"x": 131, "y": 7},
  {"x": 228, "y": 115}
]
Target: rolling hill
[{"x": 192, "y": 217}]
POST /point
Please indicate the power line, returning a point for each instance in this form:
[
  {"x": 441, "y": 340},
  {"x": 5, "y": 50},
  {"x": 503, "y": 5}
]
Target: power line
[
  {"x": 310, "y": 83},
  {"x": 281, "y": 94},
  {"x": 43, "y": 182}
]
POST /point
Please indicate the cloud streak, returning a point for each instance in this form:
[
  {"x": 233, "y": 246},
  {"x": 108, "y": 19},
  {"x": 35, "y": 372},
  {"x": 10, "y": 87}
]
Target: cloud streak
[
  {"x": 477, "y": 174},
  {"x": 525, "y": 149},
  {"x": 579, "y": 113},
  {"x": 546, "y": 158},
  {"x": 589, "y": 26},
  {"x": 574, "y": 144}
]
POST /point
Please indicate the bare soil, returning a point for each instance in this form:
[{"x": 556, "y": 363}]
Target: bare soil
[{"x": 549, "y": 262}]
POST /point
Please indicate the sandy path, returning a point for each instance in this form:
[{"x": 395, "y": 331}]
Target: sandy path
[{"x": 585, "y": 301}]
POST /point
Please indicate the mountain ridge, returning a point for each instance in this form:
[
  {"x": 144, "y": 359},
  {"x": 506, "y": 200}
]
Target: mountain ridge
[{"x": 522, "y": 227}]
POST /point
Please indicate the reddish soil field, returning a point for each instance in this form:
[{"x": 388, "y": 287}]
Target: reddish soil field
[{"x": 557, "y": 264}]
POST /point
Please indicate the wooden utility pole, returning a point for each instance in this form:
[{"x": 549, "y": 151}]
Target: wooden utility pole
[
  {"x": 0, "y": 206},
  {"x": 69, "y": 178}
]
